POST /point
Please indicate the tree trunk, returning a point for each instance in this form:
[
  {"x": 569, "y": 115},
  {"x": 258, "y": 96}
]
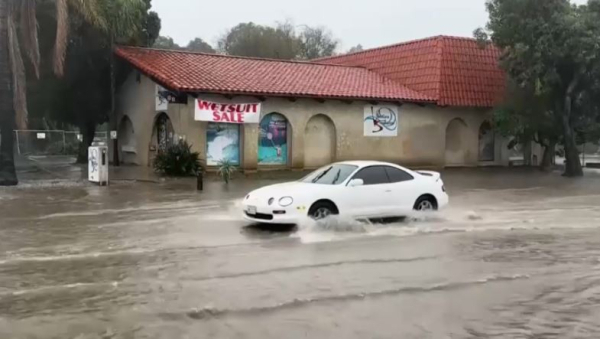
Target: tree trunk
[
  {"x": 113, "y": 112},
  {"x": 573, "y": 165},
  {"x": 8, "y": 174},
  {"x": 88, "y": 131},
  {"x": 547, "y": 160}
]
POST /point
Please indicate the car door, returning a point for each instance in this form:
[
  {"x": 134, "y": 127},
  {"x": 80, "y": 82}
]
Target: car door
[
  {"x": 404, "y": 190},
  {"x": 372, "y": 199}
]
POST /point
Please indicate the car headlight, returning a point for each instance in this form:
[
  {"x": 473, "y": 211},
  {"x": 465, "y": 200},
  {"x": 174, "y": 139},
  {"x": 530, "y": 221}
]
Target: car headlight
[{"x": 286, "y": 201}]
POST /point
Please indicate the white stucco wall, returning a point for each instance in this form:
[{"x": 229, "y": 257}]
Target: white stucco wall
[{"x": 421, "y": 139}]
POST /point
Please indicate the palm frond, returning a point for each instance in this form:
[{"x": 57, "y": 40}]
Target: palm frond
[
  {"x": 17, "y": 68},
  {"x": 29, "y": 34},
  {"x": 124, "y": 16},
  {"x": 62, "y": 35},
  {"x": 91, "y": 10}
]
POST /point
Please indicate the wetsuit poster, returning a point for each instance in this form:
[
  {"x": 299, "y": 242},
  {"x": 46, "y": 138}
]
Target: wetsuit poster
[
  {"x": 272, "y": 142},
  {"x": 381, "y": 121},
  {"x": 222, "y": 143}
]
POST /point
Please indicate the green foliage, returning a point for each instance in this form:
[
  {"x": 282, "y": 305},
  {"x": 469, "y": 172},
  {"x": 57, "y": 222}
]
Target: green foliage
[
  {"x": 249, "y": 39},
  {"x": 166, "y": 42},
  {"x": 199, "y": 45},
  {"x": 83, "y": 96},
  {"x": 355, "y": 49},
  {"x": 196, "y": 45},
  {"x": 226, "y": 170},
  {"x": 317, "y": 42},
  {"x": 526, "y": 116},
  {"x": 280, "y": 42},
  {"x": 178, "y": 160},
  {"x": 551, "y": 51}
]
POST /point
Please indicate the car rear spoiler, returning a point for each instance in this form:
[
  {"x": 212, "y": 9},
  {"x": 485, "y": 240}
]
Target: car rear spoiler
[{"x": 434, "y": 175}]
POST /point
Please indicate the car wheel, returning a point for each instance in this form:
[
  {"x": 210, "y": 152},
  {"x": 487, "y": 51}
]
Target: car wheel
[
  {"x": 322, "y": 210},
  {"x": 426, "y": 203}
]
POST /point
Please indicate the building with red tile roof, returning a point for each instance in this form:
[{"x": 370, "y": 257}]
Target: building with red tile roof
[{"x": 420, "y": 103}]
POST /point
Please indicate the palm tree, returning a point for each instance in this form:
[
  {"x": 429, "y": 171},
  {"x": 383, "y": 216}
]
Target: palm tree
[{"x": 18, "y": 32}]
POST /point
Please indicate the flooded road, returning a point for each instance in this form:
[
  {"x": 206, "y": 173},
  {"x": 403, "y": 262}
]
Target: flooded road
[{"x": 517, "y": 255}]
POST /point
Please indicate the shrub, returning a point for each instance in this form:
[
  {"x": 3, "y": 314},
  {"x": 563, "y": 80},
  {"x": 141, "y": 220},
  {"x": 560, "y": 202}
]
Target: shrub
[
  {"x": 178, "y": 160},
  {"x": 226, "y": 169}
]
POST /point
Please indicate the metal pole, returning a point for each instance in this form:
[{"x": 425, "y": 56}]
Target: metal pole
[
  {"x": 18, "y": 145},
  {"x": 64, "y": 141}
]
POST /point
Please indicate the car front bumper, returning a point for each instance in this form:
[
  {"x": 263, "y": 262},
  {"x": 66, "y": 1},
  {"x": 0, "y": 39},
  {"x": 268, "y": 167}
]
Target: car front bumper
[{"x": 264, "y": 214}]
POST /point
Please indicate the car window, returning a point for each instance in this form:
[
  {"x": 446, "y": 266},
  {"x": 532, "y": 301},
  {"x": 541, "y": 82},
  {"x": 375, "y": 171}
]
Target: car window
[
  {"x": 330, "y": 175},
  {"x": 397, "y": 175},
  {"x": 374, "y": 175}
]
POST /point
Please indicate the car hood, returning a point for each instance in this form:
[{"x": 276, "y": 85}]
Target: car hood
[{"x": 279, "y": 190}]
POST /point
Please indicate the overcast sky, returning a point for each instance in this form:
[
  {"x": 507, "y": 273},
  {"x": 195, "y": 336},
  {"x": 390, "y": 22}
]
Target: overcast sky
[{"x": 371, "y": 23}]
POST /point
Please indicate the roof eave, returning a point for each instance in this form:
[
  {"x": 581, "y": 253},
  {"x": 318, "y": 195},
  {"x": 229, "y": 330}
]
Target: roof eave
[{"x": 305, "y": 96}]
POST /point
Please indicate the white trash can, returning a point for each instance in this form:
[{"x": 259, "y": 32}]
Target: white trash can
[{"x": 98, "y": 165}]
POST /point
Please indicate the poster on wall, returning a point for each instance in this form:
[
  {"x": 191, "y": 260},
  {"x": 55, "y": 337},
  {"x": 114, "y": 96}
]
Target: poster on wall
[
  {"x": 222, "y": 143},
  {"x": 381, "y": 121},
  {"x": 272, "y": 141},
  {"x": 162, "y": 104},
  {"x": 230, "y": 113}
]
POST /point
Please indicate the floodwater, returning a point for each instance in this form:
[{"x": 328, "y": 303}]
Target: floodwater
[{"x": 517, "y": 255}]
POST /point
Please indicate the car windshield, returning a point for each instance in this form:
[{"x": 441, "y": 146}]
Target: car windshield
[{"x": 330, "y": 175}]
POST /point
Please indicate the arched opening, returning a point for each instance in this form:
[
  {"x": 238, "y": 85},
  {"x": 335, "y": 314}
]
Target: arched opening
[
  {"x": 319, "y": 141},
  {"x": 162, "y": 136},
  {"x": 456, "y": 143},
  {"x": 273, "y": 140},
  {"x": 162, "y": 133},
  {"x": 487, "y": 145},
  {"x": 127, "y": 142}
]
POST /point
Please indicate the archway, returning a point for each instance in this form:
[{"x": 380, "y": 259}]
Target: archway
[
  {"x": 319, "y": 141},
  {"x": 127, "y": 141},
  {"x": 487, "y": 146},
  {"x": 273, "y": 140},
  {"x": 162, "y": 133},
  {"x": 456, "y": 143}
]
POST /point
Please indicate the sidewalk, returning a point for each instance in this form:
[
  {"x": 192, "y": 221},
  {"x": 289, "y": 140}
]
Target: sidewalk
[{"x": 64, "y": 168}]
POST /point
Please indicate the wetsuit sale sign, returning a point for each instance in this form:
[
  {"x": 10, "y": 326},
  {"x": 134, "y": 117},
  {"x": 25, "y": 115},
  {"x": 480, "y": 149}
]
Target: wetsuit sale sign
[
  {"x": 381, "y": 121},
  {"x": 232, "y": 113}
]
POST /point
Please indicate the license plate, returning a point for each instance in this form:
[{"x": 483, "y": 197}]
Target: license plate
[{"x": 252, "y": 210}]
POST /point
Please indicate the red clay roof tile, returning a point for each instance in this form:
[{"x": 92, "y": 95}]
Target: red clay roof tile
[
  {"x": 198, "y": 72},
  {"x": 455, "y": 71}
]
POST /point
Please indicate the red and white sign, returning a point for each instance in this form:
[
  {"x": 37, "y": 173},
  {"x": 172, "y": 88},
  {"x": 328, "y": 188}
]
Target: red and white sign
[{"x": 233, "y": 113}]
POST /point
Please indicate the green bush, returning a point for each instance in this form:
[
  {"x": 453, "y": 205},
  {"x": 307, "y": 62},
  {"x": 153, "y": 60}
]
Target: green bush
[
  {"x": 178, "y": 160},
  {"x": 226, "y": 169}
]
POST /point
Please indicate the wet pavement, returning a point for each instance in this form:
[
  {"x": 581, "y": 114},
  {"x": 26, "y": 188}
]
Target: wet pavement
[{"x": 517, "y": 255}]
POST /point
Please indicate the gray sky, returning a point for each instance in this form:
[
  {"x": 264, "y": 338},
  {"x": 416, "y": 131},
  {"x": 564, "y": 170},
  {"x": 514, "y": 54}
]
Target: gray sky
[{"x": 371, "y": 23}]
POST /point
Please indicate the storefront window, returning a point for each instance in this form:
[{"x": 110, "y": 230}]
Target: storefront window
[
  {"x": 273, "y": 140},
  {"x": 222, "y": 143}
]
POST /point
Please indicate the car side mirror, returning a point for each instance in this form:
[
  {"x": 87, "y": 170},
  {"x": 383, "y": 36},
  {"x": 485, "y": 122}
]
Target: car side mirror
[{"x": 356, "y": 182}]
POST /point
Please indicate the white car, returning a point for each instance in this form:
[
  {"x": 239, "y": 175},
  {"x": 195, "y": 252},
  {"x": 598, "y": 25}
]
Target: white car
[{"x": 355, "y": 189}]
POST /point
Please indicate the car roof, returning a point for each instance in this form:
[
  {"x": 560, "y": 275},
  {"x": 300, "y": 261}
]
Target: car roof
[{"x": 363, "y": 163}]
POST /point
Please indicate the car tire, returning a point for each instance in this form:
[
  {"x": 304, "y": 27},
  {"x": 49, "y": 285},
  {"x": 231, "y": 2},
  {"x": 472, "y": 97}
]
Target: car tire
[
  {"x": 426, "y": 203},
  {"x": 322, "y": 210}
]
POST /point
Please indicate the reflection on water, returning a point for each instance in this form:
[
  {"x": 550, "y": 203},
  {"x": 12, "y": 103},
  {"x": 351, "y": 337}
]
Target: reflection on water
[{"x": 516, "y": 255}]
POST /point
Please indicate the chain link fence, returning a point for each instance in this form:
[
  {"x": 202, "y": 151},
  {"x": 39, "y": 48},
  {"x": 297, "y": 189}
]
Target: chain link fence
[{"x": 57, "y": 142}]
